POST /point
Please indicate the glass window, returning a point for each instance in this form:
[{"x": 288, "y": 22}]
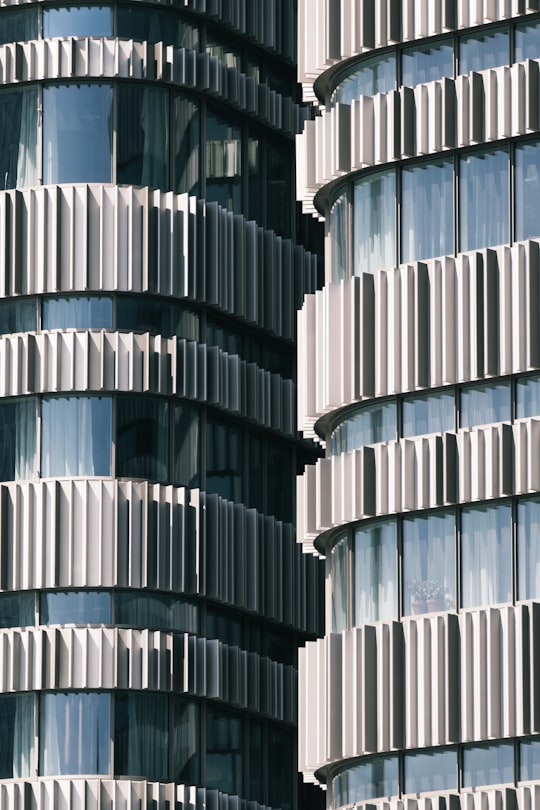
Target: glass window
[
  {"x": 141, "y": 735},
  {"x": 255, "y": 474},
  {"x": 74, "y": 733},
  {"x": 77, "y": 312},
  {"x": 281, "y": 748},
  {"x": 428, "y": 63},
  {"x": 372, "y": 76},
  {"x": 18, "y": 315},
  {"x": 186, "y": 140},
  {"x": 338, "y": 238},
  {"x": 18, "y": 430},
  {"x": 17, "y": 610},
  {"x": 280, "y": 175},
  {"x": 75, "y": 607},
  {"x": 17, "y": 735},
  {"x": 256, "y": 762},
  {"x": 529, "y": 760},
  {"x": 136, "y": 609},
  {"x": 77, "y": 133},
  {"x": 76, "y": 436},
  {"x": 280, "y": 467},
  {"x": 185, "y": 743},
  {"x": 429, "y": 563},
  {"x": 222, "y": 335},
  {"x": 223, "y": 163},
  {"x": 491, "y": 764},
  {"x": 186, "y": 431},
  {"x": 369, "y": 425},
  {"x": 142, "y": 438},
  {"x": 156, "y": 25},
  {"x": 224, "y": 627},
  {"x": 528, "y": 397},
  {"x": 142, "y": 314},
  {"x": 224, "y": 51},
  {"x": 527, "y": 189},
  {"x": 483, "y": 51},
  {"x": 339, "y": 583},
  {"x": 254, "y": 175},
  {"x": 375, "y": 573},
  {"x": 18, "y": 25},
  {"x": 528, "y": 549},
  {"x": 224, "y": 751},
  {"x": 143, "y": 136},
  {"x": 18, "y": 138},
  {"x": 223, "y": 460},
  {"x": 373, "y": 779},
  {"x": 429, "y": 413},
  {"x": 483, "y": 176},
  {"x": 486, "y": 555},
  {"x": 484, "y": 404},
  {"x": 78, "y": 21},
  {"x": 527, "y": 41},
  {"x": 375, "y": 222},
  {"x": 428, "y": 771},
  {"x": 427, "y": 210}
]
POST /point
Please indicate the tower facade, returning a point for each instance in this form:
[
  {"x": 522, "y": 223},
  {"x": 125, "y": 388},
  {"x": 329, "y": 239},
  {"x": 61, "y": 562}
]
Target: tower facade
[
  {"x": 152, "y": 593},
  {"x": 419, "y": 371}
]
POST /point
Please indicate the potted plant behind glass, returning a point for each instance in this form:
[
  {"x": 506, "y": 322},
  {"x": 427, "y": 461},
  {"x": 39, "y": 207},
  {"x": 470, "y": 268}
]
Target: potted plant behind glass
[
  {"x": 434, "y": 596},
  {"x": 418, "y": 596}
]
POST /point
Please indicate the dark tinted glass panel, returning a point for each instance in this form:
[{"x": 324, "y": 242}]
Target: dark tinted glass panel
[
  {"x": 186, "y": 140},
  {"x": 186, "y": 765},
  {"x": 186, "y": 451},
  {"x": 76, "y": 435},
  {"x": 224, "y": 751},
  {"x": 279, "y": 485},
  {"x": 77, "y": 312},
  {"x": 527, "y": 190},
  {"x": 75, "y": 607},
  {"x": 254, "y": 169},
  {"x": 17, "y": 736},
  {"x": 427, "y": 64},
  {"x": 78, "y": 21},
  {"x": 427, "y": 211},
  {"x": 18, "y": 439},
  {"x": 18, "y": 25},
  {"x": 483, "y": 176},
  {"x": 226, "y": 628},
  {"x": 488, "y": 764},
  {"x": 527, "y": 41},
  {"x": 18, "y": 138},
  {"x": 483, "y": 404},
  {"x": 141, "y": 735},
  {"x": 486, "y": 555},
  {"x": 432, "y": 413},
  {"x": 529, "y": 760},
  {"x": 224, "y": 51},
  {"x": 279, "y": 647},
  {"x": 143, "y": 136},
  {"x": 74, "y": 733},
  {"x": 17, "y": 610},
  {"x": 18, "y": 315},
  {"x": 139, "y": 314},
  {"x": 431, "y": 770},
  {"x": 77, "y": 133},
  {"x": 281, "y": 749},
  {"x": 229, "y": 340},
  {"x": 156, "y": 25},
  {"x": 278, "y": 190},
  {"x": 256, "y": 762},
  {"x": 223, "y": 163},
  {"x": 255, "y": 482},
  {"x": 142, "y": 438},
  {"x": 483, "y": 51},
  {"x": 138, "y": 609},
  {"x": 224, "y": 460}
]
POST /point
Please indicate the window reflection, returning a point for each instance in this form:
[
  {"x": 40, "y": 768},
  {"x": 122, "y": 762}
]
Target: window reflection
[
  {"x": 429, "y": 563},
  {"x": 483, "y": 51},
  {"x": 74, "y": 733},
  {"x": 78, "y": 21},
  {"x": 375, "y": 222},
  {"x": 375, "y": 573},
  {"x": 427, "y": 210},
  {"x": 491, "y": 764},
  {"x": 142, "y": 438},
  {"x": 18, "y": 315},
  {"x": 427, "y": 63},
  {"x": 76, "y": 436},
  {"x": 17, "y": 735},
  {"x": 527, "y": 41},
  {"x": 529, "y": 760},
  {"x": 373, "y": 779},
  {"x": 17, "y": 610},
  {"x": 186, "y": 139},
  {"x": 223, "y": 163},
  {"x": 486, "y": 555},
  {"x": 141, "y": 735},
  {"x": 143, "y": 136},
  {"x": 75, "y": 607},
  {"x": 429, "y": 413},
  {"x": 156, "y": 25},
  {"x": 18, "y": 138},
  {"x": 427, "y": 771},
  {"x": 77, "y": 133},
  {"x": 18, "y": 458},
  {"x": 372, "y": 76},
  {"x": 484, "y": 404},
  {"x": 224, "y": 751},
  {"x": 77, "y": 312},
  {"x": 368, "y": 425},
  {"x": 527, "y": 189},
  {"x": 528, "y": 396},
  {"x": 142, "y": 314},
  {"x": 528, "y": 549},
  {"x": 185, "y": 742},
  {"x": 159, "y": 611},
  {"x": 483, "y": 176},
  {"x": 18, "y": 25},
  {"x": 223, "y": 460}
]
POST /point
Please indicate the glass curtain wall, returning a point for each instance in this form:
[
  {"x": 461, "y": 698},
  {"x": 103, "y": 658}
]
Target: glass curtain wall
[
  {"x": 375, "y": 222},
  {"x": 483, "y": 199},
  {"x": 427, "y": 210},
  {"x": 486, "y": 555},
  {"x": 375, "y": 573},
  {"x": 18, "y": 138}
]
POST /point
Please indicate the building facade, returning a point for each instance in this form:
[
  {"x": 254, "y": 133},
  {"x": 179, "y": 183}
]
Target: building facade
[
  {"x": 419, "y": 371},
  {"x": 152, "y": 592}
]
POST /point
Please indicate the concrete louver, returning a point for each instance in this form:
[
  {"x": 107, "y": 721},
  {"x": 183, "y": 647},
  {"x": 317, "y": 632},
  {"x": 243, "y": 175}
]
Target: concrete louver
[
  {"x": 428, "y": 324},
  {"x": 420, "y": 682},
  {"x": 71, "y": 658},
  {"x": 114, "y": 794},
  {"x": 429, "y": 119},
  {"x": 104, "y": 534},
  {"x": 332, "y": 31},
  {"x": 106, "y": 238},
  {"x": 63, "y": 362}
]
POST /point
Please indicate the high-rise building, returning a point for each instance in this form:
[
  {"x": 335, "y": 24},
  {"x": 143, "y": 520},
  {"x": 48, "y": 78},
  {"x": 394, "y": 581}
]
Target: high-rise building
[
  {"x": 152, "y": 592},
  {"x": 419, "y": 369}
]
